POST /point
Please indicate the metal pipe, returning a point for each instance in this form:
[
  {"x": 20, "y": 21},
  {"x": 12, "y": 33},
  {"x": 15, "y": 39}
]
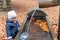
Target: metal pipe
[{"x": 30, "y": 20}]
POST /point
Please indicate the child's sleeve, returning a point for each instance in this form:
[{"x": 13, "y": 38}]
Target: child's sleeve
[
  {"x": 8, "y": 31},
  {"x": 19, "y": 27},
  {"x": 18, "y": 24}
]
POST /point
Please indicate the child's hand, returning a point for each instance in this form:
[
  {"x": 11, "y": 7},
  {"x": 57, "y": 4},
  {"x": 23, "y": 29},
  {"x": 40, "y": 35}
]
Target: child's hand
[
  {"x": 14, "y": 21},
  {"x": 11, "y": 39},
  {"x": 19, "y": 29}
]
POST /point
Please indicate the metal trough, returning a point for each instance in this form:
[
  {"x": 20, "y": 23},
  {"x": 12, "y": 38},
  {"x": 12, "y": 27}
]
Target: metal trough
[{"x": 40, "y": 35}]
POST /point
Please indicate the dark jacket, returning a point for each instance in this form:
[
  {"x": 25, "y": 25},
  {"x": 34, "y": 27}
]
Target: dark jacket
[{"x": 11, "y": 28}]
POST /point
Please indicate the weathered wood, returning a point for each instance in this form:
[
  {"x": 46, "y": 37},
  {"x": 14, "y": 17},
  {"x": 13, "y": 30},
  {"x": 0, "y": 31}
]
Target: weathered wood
[
  {"x": 8, "y": 0},
  {"x": 5, "y": 5},
  {"x": 48, "y": 3}
]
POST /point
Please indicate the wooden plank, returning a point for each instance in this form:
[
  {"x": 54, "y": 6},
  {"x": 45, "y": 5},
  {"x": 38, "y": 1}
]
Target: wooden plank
[
  {"x": 8, "y": 0},
  {"x": 47, "y": 3},
  {"x": 4, "y": 4}
]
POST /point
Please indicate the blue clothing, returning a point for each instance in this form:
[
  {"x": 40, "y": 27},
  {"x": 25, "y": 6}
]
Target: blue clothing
[{"x": 11, "y": 28}]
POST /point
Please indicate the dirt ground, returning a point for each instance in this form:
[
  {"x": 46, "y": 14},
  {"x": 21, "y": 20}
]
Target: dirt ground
[{"x": 22, "y": 7}]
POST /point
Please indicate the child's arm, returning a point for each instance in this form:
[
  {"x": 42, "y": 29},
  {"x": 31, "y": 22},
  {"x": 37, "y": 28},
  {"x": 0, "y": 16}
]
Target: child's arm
[
  {"x": 16, "y": 29},
  {"x": 8, "y": 31},
  {"x": 18, "y": 25}
]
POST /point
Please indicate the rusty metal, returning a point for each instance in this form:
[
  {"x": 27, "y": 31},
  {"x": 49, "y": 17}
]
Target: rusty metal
[{"x": 49, "y": 36}]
